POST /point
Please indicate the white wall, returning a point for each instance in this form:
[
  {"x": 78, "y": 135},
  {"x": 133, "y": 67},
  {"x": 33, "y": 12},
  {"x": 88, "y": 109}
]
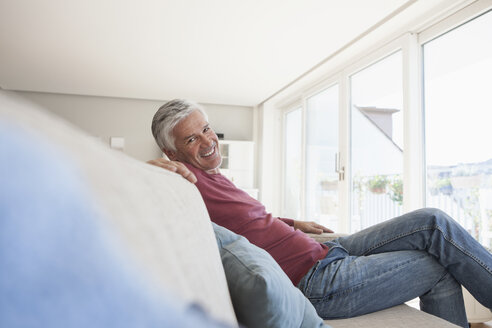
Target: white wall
[
  {"x": 104, "y": 117},
  {"x": 236, "y": 122}
]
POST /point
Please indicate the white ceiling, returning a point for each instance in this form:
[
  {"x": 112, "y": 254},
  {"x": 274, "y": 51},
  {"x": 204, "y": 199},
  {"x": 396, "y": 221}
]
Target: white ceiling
[{"x": 213, "y": 51}]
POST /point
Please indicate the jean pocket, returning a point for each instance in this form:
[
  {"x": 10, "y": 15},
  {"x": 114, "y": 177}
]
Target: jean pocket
[
  {"x": 310, "y": 276},
  {"x": 335, "y": 254},
  {"x": 304, "y": 282}
]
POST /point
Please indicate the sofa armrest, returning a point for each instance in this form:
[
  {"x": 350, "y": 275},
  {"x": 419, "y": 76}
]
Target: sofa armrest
[{"x": 321, "y": 238}]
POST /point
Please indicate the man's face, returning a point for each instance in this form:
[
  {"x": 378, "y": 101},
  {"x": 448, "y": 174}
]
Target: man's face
[{"x": 196, "y": 143}]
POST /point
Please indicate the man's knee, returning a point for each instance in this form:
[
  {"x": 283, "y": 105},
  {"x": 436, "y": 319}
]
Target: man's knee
[
  {"x": 429, "y": 217},
  {"x": 436, "y": 217}
]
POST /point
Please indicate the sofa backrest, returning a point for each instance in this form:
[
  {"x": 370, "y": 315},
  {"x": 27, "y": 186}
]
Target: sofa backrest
[{"x": 159, "y": 216}]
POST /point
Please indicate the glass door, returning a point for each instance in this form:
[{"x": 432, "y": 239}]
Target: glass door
[
  {"x": 376, "y": 142},
  {"x": 322, "y": 197}
]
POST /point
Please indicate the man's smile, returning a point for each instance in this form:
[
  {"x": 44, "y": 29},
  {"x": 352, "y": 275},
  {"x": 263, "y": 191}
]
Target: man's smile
[{"x": 211, "y": 152}]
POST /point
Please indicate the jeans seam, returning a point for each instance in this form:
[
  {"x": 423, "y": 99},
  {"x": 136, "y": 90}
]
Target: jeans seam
[
  {"x": 401, "y": 235},
  {"x": 452, "y": 242},
  {"x": 434, "y": 227}
]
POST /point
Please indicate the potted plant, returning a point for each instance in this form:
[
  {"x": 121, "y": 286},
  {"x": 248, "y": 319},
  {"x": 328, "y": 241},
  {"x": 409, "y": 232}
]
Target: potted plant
[{"x": 377, "y": 184}]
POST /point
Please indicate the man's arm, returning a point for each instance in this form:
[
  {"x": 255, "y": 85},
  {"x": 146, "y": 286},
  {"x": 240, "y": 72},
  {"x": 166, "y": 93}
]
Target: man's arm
[{"x": 174, "y": 166}]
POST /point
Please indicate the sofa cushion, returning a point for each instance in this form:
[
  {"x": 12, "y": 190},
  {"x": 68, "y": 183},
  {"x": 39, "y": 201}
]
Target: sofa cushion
[
  {"x": 159, "y": 216},
  {"x": 401, "y": 316},
  {"x": 262, "y": 294}
]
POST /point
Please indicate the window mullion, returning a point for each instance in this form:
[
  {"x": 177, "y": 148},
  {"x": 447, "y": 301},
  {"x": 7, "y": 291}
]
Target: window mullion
[
  {"x": 413, "y": 157},
  {"x": 303, "y": 161}
]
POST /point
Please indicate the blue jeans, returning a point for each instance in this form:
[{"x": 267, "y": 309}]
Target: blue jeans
[{"x": 422, "y": 254}]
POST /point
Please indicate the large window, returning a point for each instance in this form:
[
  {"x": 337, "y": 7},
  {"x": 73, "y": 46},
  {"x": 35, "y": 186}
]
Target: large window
[
  {"x": 321, "y": 154},
  {"x": 377, "y": 142},
  {"x": 395, "y": 116},
  {"x": 458, "y": 128}
]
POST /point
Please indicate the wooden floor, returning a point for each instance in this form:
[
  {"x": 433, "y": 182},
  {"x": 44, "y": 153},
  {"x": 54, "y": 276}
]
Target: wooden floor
[{"x": 482, "y": 325}]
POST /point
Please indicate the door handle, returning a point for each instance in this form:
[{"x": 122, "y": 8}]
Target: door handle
[{"x": 339, "y": 168}]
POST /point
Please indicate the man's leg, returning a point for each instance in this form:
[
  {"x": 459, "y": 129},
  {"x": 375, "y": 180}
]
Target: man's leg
[
  {"x": 434, "y": 232},
  {"x": 355, "y": 285}
]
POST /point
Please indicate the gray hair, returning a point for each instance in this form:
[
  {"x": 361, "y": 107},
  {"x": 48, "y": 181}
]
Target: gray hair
[{"x": 168, "y": 116}]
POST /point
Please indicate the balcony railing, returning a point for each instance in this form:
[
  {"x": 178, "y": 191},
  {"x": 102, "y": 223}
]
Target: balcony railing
[
  {"x": 376, "y": 199},
  {"x": 369, "y": 208}
]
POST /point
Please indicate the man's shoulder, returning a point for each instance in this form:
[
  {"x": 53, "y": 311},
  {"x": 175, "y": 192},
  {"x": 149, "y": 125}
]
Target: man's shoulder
[
  {"x": 190, "y": 167},
  {"x": 193, "y": 169}
]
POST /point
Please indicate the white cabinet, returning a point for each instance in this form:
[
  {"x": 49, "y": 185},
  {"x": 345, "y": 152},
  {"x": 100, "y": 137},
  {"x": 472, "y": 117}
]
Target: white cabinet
[{"x": 238, "y": 164}]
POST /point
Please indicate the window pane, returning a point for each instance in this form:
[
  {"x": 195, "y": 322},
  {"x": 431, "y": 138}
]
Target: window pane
[
  {"x": 293, "y": 160},
  {"x": 458, "y": 103},
  {"x": 321, "y": 149},
  {"x": 377, "y": 142}
]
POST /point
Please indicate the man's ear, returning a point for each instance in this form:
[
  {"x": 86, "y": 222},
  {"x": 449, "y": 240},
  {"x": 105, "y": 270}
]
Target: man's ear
[{"x": 170, "y": 154}]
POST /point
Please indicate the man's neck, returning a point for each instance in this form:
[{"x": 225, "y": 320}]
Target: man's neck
[{"x": 213, "y": 171}]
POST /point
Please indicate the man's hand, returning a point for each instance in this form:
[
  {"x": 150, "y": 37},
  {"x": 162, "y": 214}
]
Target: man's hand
[
  {"x": 310, "y": 227},
  {"x": 174, "y": 166}
]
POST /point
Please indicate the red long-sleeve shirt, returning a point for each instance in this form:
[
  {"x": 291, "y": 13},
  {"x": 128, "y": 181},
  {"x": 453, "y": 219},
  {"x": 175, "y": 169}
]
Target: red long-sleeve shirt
[{"x": 235, "y": 210}]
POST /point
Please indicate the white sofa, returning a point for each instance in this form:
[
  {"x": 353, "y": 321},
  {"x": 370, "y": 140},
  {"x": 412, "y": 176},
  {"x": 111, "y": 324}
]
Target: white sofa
[{"x": 158, "y": 218}]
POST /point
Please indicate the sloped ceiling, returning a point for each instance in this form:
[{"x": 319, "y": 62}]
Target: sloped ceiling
[{"x": 211, "y": 51}]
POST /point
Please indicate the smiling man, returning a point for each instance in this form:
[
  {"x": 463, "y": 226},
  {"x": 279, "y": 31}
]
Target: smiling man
[
  {"x": 196, "y": 144},
  {"x": 424, "y": 253}
]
